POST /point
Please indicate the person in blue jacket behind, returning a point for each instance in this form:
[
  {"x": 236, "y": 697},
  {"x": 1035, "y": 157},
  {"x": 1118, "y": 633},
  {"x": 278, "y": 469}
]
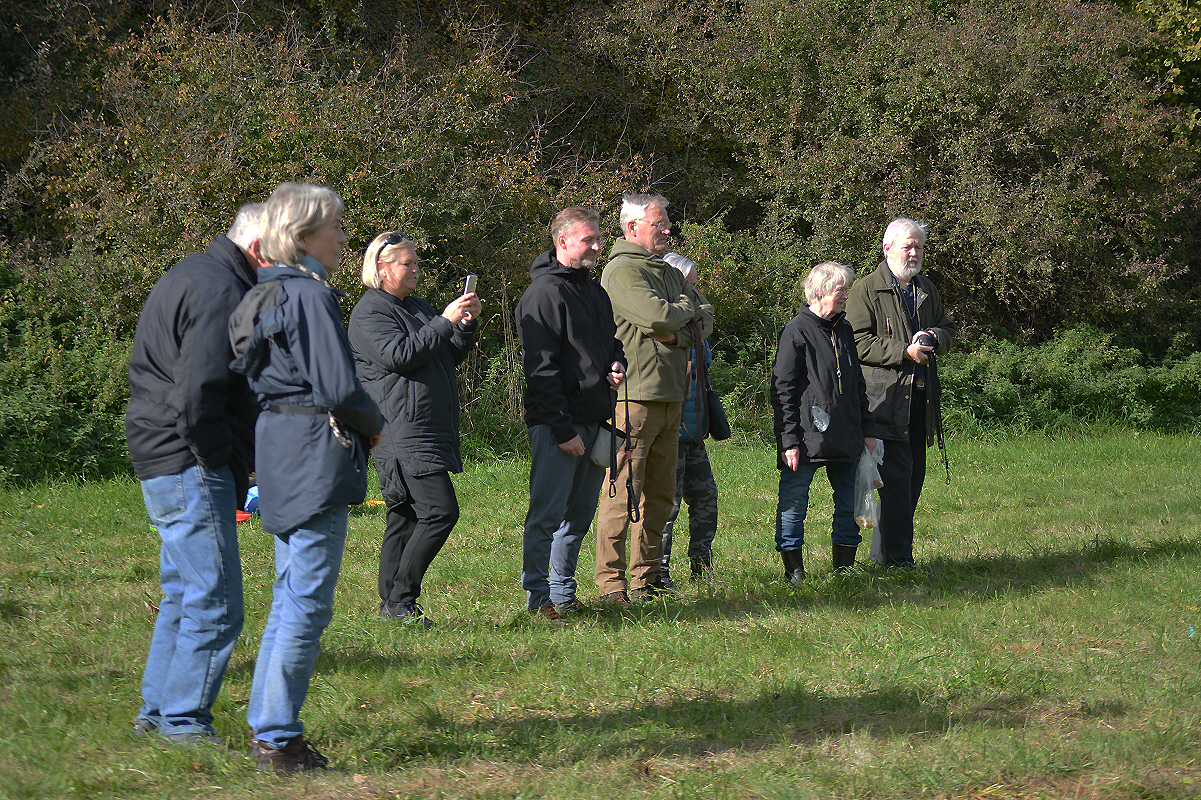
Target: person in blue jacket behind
[
  {"x": 311, "y": 442},
  {"x": 695, "y": 484}
]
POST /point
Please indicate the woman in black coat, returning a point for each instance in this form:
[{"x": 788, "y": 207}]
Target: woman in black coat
[
  {"x": 821, "y": 416},
  {"x": 405, "y": 354}
]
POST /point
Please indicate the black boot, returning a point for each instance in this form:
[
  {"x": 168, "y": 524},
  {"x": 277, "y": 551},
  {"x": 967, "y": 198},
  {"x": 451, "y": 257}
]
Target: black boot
[
  {"x": 701, "y": 570},
  {"x": 665, "y": 573},
  {"x": 844, "y": 557},
  {"x": 794, "y": 566}
]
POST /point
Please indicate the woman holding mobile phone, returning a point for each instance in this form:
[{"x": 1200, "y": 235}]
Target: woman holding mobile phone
[{"x": 405, "y": 354}]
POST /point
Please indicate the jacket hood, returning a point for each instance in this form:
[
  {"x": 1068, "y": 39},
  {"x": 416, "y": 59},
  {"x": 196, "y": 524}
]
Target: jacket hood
[
  {"x": 546, "y": 264},
  {"x": 624, "y": 246}
]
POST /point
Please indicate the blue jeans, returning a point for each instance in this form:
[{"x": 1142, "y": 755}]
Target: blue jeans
[
  {"x": 794, "y": 503},
  {"x": 200, "y": 615},
  {"x": 307, "y": 562},
  {"x": 563, "y": 494}
]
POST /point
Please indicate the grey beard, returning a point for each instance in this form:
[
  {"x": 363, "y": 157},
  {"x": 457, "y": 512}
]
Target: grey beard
[{"x": 908, "y": 272}]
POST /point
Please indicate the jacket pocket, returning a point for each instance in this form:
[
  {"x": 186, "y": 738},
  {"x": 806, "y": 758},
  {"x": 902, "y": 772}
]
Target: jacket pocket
[{"x": 881, "y": 385}]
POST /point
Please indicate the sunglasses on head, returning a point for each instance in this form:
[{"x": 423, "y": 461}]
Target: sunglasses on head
[{"x": 393, "y": 239}]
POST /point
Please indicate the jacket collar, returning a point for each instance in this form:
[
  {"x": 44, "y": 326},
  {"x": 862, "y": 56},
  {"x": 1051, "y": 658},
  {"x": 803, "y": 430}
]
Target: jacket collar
[
  {"x": 224, "y": 250},
  {"x": 306, "y": 267},
  {"x": 828, "y": 324}
]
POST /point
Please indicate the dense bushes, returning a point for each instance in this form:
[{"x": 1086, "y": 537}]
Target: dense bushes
[
  {"x": 1077, "y": 380},
  {"x": 1052, "y": 145}
]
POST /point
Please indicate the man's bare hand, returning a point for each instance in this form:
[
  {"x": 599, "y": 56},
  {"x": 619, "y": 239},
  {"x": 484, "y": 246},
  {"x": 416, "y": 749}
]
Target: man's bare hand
[
  {"x": 573, "y": 446},
  {"x": 373, "y": 441},
  {"x": 918, "y": 353},
  {"x": 617, "y": 374}
]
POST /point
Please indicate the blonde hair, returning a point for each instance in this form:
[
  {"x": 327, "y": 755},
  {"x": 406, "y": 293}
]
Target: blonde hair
[
  {"x": 379, "y": 250},
  {"x": 824, "y": 278},
  {"x": 295, "y": 210}
]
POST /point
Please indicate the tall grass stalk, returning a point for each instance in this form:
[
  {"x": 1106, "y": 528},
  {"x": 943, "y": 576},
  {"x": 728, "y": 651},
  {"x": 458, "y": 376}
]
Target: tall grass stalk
[{"x": 1050, "y": 647}]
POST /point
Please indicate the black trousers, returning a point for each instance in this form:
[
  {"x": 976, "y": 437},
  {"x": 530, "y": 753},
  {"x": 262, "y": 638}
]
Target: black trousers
[
  {"x": 415, "y": 532},
  {"x": 903, "y": 473}
]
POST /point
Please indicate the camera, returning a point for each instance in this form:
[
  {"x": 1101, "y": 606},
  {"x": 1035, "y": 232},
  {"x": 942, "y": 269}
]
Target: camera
[{"x": 925, "y": 340}]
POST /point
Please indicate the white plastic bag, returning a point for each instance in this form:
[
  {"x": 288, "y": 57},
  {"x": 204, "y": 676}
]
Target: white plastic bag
[{"x": 867, "y": 481}]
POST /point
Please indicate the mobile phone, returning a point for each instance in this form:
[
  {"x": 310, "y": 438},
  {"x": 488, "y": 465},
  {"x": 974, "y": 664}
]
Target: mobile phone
[{"x": 469, "y": 284}]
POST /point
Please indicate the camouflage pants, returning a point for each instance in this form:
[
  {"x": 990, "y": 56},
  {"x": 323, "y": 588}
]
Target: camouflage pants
[{"x": 696, "y": 487}]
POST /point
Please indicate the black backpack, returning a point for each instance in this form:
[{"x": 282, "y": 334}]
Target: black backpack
[{"x": 253, "y": 326}]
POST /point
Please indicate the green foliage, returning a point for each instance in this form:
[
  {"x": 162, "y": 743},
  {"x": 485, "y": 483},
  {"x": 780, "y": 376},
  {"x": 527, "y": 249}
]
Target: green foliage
[
  {"x": 1050, "y": 144},
  {"x": 1079, "y": 380},
  {"x": 1028, "y": 134}
]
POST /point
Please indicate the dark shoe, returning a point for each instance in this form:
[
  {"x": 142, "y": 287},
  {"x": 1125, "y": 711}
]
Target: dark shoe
[
  {"x": 616, "y": 598},
  {"x": 569, "y": 607},
  {"x": 406, "y": 613},
  {"x": 298, "y": 755},
  {"x": 650, "y": 591},
  {"x": 546, "y": 612},
  {"x": 794, "y": 567},
  {"x": 665, "y": 579},
  {"x": 701, "y": 570},
  {"x": 143, "y": 728},
  {"x": 844, "y": 557}
]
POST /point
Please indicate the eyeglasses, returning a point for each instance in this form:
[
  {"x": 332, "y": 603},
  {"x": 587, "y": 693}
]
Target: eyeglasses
[
  {"x": 663, "y": 227},
  {"x": 395, "y": 238}
]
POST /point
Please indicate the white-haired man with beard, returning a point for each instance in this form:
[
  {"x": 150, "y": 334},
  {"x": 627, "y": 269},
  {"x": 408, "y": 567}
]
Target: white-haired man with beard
[{"x": 900, "y": 324}]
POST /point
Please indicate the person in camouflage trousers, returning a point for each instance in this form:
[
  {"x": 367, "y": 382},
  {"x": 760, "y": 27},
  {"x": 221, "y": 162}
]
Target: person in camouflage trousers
[{"x": 695, "y": 484}]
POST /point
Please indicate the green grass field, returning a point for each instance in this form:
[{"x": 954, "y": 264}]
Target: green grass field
[{"x": 1051, "y": 648}]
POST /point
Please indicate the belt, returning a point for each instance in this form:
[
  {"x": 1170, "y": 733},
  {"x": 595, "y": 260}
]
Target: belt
[{"x": 280, "y": 409}]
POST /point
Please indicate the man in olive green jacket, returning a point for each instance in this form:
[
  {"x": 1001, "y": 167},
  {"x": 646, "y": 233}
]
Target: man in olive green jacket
[
  {"x": 900, "y": 325},
  {"x": 652, "y": 305}
]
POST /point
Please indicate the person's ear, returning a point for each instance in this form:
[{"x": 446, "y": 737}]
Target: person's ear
[{"x": 255, "y": 251}]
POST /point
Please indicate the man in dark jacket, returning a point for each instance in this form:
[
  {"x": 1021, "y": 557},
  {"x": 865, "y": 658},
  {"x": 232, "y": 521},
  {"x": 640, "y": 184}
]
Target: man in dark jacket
[
  {"x": 900, "y": 324},
  {"x": 190, "y": 429},
  {"x": 573, "y": 362}
]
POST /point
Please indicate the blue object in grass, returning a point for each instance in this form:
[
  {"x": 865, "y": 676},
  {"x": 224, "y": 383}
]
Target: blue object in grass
[{"x": 252, "y": 500}]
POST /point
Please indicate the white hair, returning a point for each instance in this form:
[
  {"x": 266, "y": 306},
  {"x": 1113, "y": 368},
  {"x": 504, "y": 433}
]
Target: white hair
[
  {"x": 823, "y": 279},
  {"x": 685, "y": 265},
  {"x": 247, "y": 225},
  {"x": 634, "y": 206},
  {"x": 903, "y": 226}
]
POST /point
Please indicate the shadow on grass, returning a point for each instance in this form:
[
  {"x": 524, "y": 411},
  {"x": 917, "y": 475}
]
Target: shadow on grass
[
  {"x": 941, "y": 580},
  {"x": 690, "y": 728}
]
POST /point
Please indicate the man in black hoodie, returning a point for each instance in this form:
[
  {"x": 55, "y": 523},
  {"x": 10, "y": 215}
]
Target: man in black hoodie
[
  {"x": 190, "y": 429},
  {"x": 573, "y": 363}
]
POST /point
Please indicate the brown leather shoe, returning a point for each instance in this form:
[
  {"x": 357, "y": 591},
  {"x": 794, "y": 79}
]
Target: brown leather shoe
[
  {"x": 618, "y": 598},
  {"x": 298, "y": 755},
  {"x": 547, "y": 611}
]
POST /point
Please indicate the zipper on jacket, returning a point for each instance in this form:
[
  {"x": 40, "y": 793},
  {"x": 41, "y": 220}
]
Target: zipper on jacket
[{"x": 837, "y": 361}]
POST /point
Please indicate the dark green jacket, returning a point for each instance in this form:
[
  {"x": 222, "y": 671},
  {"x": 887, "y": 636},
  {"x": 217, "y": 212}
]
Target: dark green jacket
[
  {"x": 877, "y": 315},
  {"x": 651, "y": 296}
]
